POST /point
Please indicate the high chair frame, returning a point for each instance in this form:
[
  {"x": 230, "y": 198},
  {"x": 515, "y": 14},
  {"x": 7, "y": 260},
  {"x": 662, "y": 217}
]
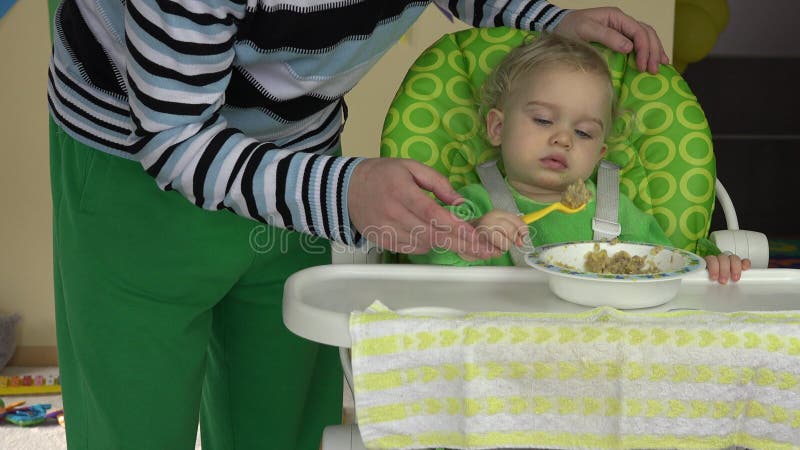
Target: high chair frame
[
  {"x": 318, "y": 302},
  {"x": 324, "y": 321}
]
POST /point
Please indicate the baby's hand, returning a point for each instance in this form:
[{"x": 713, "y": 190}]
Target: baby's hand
[
  {"x": 726, "y": 266},
  {"x": 502, "y": 228}
]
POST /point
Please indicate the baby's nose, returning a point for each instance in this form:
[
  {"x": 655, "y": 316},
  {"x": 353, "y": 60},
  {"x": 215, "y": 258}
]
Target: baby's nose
[{"x": 562, "y": 138}]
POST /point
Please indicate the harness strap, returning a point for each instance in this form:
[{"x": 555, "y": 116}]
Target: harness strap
[
  {"x": 501, "y": 198},
  {"x": 605, "y": 223}
]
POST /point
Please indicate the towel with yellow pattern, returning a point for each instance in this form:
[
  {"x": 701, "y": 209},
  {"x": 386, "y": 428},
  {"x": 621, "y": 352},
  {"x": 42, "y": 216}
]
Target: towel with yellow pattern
[{"x": 602, "y": 379}]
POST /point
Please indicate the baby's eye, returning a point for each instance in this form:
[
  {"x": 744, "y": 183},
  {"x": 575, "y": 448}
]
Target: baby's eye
[
  {"x": 541, "y": 121},
  {"x": 583, "y": 134}
]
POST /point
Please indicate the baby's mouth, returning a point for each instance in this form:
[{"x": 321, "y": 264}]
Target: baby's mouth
[{"x": 555, "y": 162}]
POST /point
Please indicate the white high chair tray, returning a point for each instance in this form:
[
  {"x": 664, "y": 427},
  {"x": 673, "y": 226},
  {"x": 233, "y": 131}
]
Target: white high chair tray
[{"x": 317, "y": 302}]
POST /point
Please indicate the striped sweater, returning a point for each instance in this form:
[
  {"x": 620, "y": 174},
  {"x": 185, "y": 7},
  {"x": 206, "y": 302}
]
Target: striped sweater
[{"x": 238, "y": 104}]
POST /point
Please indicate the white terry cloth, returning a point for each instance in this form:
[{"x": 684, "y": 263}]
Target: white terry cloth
[{"x": 602, "y": 379}]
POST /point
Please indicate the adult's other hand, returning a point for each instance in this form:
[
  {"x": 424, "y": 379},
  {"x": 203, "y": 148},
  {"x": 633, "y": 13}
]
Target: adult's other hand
[{"x": 618, "y": 31}]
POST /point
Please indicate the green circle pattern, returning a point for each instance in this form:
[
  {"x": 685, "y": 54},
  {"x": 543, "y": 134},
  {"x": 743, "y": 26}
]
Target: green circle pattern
[{"x": 662, "y": 140}]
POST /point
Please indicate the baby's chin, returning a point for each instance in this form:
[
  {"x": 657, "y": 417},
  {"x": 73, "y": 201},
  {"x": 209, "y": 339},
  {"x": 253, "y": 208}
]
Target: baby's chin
[
  {"x": 548, "y": 181},
  {"x": 540, "y": 189}
]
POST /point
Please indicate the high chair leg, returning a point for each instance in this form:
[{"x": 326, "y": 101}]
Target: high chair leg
[{"x": 342, "y": 437}]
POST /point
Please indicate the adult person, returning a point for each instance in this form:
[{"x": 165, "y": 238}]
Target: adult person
[{"x": 178, "y": 126}]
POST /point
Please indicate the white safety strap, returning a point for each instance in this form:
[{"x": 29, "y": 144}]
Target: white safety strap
[
  {"x": 605, "y": 223},
  {"x": 501, "y": 198}
]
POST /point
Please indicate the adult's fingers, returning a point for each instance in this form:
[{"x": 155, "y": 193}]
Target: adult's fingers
[
  {"x": 408, "y": 221},
  {"x": 445, "y": 230},
  {"x": 664, "y": 57},
  {"x": 594, "y": 31},
  {"x": 389, "y": 207},
  {"x": 654, "y": 51},
  {"x": 618, "y": 31},
  {"x": 429, "y": 179},
  {"x": 649, "y": 49},
  {"x": 639, "y": 33}
]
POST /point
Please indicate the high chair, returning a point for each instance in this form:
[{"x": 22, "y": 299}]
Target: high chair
[{"x": 662, "y": 145}]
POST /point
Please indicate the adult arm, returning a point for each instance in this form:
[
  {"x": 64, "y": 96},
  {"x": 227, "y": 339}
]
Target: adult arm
[
  {"x": 606, "y": 25},
  {"x": 179, "y": 59}
]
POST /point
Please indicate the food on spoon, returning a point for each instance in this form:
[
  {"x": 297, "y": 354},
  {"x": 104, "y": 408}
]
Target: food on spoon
[{"x": 576, "y": 195}]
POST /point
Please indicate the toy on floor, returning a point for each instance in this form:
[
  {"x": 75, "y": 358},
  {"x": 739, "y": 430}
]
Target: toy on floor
[
  {"x": 4, "y": 409},
  {"x": 29, "y": 384},
  {"x": 26, "y": 416}
]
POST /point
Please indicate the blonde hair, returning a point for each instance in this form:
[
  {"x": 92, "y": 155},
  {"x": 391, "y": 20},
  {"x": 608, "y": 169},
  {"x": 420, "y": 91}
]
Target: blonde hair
[{"x": 548, "y": 50}]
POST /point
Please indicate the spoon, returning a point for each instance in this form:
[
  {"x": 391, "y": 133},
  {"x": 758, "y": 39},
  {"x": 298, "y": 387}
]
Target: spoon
[{"x": 557, "y": 206}]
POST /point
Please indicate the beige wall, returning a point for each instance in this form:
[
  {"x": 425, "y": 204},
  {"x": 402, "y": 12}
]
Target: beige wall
[{"x": 25, "y": 238}]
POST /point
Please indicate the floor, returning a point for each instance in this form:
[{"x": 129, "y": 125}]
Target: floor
[
  {"x": 47, "y": 436},
  {"x": 50, "y": 435}
]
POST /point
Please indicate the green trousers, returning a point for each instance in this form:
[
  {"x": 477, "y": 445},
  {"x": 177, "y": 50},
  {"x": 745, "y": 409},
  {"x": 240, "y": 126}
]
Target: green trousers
[{"x": 167, "y": 313}]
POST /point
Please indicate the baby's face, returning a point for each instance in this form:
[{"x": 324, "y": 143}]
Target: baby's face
[{"x": 551, "y": 130}]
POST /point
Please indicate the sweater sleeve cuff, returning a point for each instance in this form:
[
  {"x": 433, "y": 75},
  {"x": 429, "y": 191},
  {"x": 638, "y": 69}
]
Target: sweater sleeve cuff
[
  {"x": 316, "y": 190},
  {"x": 548, "y": 18},
  {"x": 348, "y": 233}
]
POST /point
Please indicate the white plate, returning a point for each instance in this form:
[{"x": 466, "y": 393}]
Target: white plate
[{"x": 564, "y": 265}]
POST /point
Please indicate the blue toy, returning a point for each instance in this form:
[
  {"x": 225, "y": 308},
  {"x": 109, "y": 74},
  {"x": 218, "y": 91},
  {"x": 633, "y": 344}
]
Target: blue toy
[{"x": 31, "y": 415}]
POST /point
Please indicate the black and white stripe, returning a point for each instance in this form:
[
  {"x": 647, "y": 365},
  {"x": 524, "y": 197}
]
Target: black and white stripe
[{"x": 172, "y": 84}]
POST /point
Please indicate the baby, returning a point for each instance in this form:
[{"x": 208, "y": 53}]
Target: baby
[{"x": 549, "y": 106}]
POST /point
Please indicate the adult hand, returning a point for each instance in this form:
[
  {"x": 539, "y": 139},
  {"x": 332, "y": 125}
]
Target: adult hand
[
  {"x": 389, "y": 207},
  {"x": 617, "y": 31}
]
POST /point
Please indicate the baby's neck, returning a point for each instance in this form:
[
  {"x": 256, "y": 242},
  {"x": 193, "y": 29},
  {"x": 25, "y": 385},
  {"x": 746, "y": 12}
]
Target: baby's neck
[{"x": 536, "y": 193}]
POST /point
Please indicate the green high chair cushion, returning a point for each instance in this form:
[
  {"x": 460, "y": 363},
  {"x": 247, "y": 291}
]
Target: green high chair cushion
[{"x": 661, "y": 139}]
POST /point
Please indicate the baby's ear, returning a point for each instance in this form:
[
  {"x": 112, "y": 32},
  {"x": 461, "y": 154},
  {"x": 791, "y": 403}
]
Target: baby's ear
[
  {"x": 494, "y": 126},
  {"x": 603, "y": 150}
]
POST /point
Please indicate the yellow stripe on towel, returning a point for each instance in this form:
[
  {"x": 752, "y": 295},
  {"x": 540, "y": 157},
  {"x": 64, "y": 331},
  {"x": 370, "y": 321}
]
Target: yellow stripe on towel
[{"x": 603, "y": 379}]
